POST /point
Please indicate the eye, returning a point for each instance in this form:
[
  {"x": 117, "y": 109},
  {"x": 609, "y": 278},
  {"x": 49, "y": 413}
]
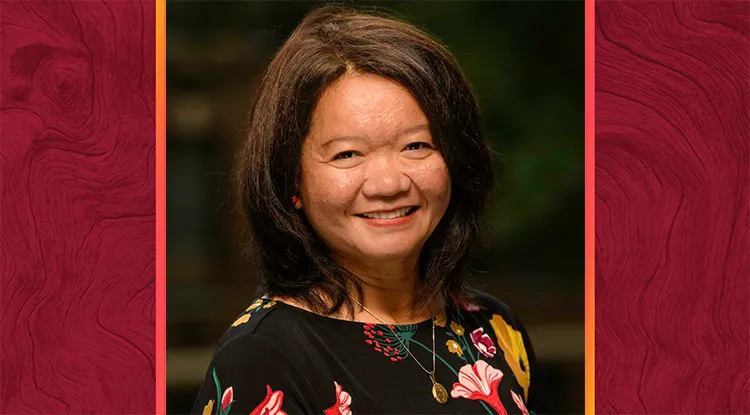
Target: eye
[
  {"x": 347, "y": 159},
  {"x": 417, "y": 146},
  {"x": 344, "y": 155}
]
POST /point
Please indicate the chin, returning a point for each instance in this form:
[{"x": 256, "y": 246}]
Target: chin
[{"x": 387, "y": 255}]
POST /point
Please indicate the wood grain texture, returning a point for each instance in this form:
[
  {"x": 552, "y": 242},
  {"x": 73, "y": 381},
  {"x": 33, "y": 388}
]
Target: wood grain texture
[
  {"x": 672, "y": 247},
  {"x": 77, "y": 225}
]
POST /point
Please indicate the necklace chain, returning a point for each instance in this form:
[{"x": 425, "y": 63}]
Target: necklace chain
[{"x": 430, "y": 373}]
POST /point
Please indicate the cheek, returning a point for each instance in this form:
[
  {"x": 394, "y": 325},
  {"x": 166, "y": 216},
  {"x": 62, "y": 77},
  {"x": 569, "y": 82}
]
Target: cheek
[
  {"x": 326, "y": 190},
  {"x": 433, "y": 180}
]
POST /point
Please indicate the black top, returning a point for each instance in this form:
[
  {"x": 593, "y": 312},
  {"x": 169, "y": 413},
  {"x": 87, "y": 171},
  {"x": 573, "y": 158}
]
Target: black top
[{"x": 280, "y": 359}]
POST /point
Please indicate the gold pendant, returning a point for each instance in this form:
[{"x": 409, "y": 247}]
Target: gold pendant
[{"x": 439, "y": 392}]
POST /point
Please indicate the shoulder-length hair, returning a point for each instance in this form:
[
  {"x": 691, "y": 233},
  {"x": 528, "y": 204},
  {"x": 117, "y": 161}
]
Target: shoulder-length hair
[{"x": 329, "y": 42}]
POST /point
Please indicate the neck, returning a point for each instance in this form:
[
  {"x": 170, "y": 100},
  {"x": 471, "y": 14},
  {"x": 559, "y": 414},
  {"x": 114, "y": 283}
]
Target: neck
[{"x": 390, "y": 290}]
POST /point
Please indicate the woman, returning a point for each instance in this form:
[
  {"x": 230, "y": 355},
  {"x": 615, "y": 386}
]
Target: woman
[{"x": 363, "y": 178}]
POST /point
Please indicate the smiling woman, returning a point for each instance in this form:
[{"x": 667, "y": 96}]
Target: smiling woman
[
  {"x": 377, "y": 190},
  {"x": 363, "y": 178}
]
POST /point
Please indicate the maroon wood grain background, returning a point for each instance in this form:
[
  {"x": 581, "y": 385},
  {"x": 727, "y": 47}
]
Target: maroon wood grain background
[
  {"x": 77, "y": 146},
  {"x": 672, "y": 247}
]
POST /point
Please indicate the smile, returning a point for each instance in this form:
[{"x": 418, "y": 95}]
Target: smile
[{"x": 399, "y": 213}]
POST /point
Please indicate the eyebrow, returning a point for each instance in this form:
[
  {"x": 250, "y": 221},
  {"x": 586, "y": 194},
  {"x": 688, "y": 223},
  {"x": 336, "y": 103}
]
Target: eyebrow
[{"x": 407, "y": 131}]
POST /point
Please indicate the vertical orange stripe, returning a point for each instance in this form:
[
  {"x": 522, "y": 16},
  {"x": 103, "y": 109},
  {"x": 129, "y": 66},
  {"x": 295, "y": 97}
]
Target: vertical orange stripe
[
  {"x": 590, "y": 231},
  {"x": 161, "y": 219}
]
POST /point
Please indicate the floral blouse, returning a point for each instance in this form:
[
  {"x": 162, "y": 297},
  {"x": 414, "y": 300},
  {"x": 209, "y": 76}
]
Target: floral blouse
[{"x": 277, "y": 359}]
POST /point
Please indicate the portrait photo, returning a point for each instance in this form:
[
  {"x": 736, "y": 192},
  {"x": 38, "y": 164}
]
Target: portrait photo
[{"x": 375, "y": 207}]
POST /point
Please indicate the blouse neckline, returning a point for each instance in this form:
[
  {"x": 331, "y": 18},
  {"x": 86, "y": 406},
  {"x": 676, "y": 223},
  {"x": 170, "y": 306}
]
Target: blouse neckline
[{"x": 310, "y": 314}]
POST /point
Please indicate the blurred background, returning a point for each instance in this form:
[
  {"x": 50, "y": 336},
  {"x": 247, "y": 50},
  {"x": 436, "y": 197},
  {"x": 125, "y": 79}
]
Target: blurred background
[{"x": 525, "y": 60}]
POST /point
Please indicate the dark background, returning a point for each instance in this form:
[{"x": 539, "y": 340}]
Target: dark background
[{"x": 526, "y": 63}]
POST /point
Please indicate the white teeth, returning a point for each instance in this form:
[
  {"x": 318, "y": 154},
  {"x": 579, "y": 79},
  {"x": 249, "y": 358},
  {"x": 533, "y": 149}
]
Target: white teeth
[{"x": 388, "y": 215}]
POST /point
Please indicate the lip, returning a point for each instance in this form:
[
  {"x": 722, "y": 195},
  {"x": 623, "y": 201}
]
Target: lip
[
  {"x": 388, "y": 211},
  {"x": 389, "y": 223}
]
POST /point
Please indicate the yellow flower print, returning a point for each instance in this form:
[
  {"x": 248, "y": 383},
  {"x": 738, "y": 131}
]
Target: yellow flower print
[
  {"x": 243, "y": 319},
  {"x": 457, "y": 328},
  {"x": 510, "y": 341},
  {"x": 270, "y": 304},
  {"x": 453, "y": 347},
  {"x": 255, "y": 304},
  {"x": 209, "y": 408},
  {"x": 440, "y": 319}
]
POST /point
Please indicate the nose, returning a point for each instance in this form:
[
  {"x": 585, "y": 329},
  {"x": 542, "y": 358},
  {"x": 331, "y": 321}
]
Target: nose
[{"x": 385, "y": 178}]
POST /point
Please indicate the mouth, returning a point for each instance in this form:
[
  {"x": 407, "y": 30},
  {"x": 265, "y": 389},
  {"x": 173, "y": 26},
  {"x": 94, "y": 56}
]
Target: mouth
[{"x": 394, "y": 214}]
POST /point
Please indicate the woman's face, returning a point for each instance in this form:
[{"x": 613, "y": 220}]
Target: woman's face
[{"x": 373, "y": 186}]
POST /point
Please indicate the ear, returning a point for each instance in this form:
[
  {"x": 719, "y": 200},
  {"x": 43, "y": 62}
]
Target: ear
[{"x": 296, "y": 202}]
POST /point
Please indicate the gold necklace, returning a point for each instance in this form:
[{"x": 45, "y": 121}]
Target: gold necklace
[{"x": 438, "y": 391}]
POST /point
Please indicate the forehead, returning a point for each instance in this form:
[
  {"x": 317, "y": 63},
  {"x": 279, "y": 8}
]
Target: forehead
[{"x": 365, "y": 105}]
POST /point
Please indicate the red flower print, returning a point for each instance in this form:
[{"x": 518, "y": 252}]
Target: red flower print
[
  {"x": 271, "y": 405},
  {"x": 227, "y": 398},
  {"x": 384, "y": 341},
  {"x": 483, "y": 343},
  {"x": 343, "y": 400},
  {"x": 519, "y": 403},
  {"x": 479, "y": 383}
]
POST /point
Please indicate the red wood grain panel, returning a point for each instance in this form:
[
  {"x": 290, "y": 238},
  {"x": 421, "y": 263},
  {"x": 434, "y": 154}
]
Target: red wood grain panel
[
  {"x": 672, "y": 247},
  {"x": 77, "y": 207}
]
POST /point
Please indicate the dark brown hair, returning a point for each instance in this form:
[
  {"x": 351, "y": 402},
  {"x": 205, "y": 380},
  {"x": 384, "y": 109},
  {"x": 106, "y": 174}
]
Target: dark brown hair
[{"x": 330, "y": 41}]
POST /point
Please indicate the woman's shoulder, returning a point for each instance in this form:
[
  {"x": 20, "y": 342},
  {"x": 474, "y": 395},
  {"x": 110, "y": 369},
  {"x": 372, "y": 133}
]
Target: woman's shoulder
[
  {"x": 493, "y": 316},
  {"x": 262, "y": 324},
  {"x": 487, "y": 310},
  {"x": 252, "y": 366},
  {"x": 486, "y": 304}
]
